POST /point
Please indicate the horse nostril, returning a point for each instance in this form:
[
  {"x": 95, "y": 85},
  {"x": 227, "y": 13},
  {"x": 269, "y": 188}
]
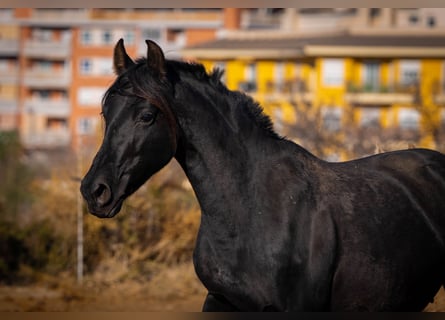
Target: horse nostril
[{"x": 102, "y": 194}]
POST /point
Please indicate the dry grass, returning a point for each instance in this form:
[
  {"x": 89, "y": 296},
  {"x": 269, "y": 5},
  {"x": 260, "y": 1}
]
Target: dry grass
[{"x": 172, "y": 289}]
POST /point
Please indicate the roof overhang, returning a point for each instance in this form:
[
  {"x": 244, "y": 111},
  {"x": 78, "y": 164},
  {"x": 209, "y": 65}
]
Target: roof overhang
[
  {"x": 242, "y": 54},
  {"x": 368, "y": 51}
]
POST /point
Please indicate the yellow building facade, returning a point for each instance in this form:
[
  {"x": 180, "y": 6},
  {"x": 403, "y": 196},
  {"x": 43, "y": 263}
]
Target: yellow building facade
[{"x": 382, "y": 81}]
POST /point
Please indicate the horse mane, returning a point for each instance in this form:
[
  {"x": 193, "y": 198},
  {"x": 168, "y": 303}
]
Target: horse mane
[
  {"x": 241, "y": 100},
  {"x": 175, "y": 69}
]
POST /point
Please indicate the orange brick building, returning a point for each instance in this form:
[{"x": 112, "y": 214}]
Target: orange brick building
[{"x": 57, "y": 63}]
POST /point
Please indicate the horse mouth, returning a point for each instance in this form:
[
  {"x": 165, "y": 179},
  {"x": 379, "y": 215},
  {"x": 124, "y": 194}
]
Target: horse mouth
[{"x": 110, "y": 211}]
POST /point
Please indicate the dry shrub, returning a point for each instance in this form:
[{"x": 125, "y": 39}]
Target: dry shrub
[
  {"x": 156, "y": 229},
  {"x": 179, "y": 281}
]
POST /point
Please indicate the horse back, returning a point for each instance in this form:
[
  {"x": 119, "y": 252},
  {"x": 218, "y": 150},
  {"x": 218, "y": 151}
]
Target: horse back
[{"x": 390, "y": 222}]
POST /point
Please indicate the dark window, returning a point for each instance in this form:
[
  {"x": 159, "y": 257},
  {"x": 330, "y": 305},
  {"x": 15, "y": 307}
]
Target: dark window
[
  {"x": 413, "y": 19},
  {"x": 431, "y": 21}
]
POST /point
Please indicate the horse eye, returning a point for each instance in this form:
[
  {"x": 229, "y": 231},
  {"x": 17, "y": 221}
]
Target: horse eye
[{"x": 146, "y": 117}]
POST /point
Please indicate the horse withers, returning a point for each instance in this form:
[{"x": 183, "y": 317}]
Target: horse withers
[{"x": 280, "y": 229}]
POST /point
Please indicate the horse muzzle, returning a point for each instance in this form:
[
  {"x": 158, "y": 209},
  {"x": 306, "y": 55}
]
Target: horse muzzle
[{"x": 100, "y": 198}]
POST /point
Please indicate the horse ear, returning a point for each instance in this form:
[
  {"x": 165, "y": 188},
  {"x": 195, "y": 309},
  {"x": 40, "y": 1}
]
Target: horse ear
[
  {"x": 155, "y": 57},
  {"x": 121, "y": 60}
]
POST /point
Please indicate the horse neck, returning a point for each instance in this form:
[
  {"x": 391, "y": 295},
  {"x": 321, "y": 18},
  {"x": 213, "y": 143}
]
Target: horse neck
[{"x": 220, "y": 147}]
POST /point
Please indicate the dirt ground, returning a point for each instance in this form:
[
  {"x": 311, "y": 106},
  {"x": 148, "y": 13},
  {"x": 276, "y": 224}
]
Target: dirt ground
[
  {"x": 171, "y": 289},
  {"x": 124, "y": 297},
  {"x": 37, "y": 298}
]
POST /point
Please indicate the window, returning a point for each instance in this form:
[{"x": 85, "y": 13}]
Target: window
[
  {"x": 297, "y": 70},
  {"x": 221, "y": 65},
  {"x": 90, "y": 96},
  {"x": 44, "y": 66},
  {"x": 371, "y": 72},
  {"x": 413, "y": 19},
  {"x": 104, "y": 66},
  {"x": 66, "y": 36},
  {"x": 42, "y": 35},
  {"x": 374, "y": 12},
  {"x": 370, "y": 117},
  {"x": 85, "y": 66},
  {"x": 332, "y": 72},
  {"x": 251, "y": 72},
  {"x": 44, "y": 94},
  {"x": 151, "y": 34},
  {"x": 129, "y": 37},
  {"x": 86, "y": 125},
  {"x": 279, "y": 75},
  {"x": 4, "y": 65},
  {"x": 278, "y": 118},
  {"x": 431, "y": 21},
  {"x": 249, "y": 84},
  {"x": 56, "y": 123},
  {"x": 409, "y": 72},
  {"x": 86, "y": 37},
  {"x": 409, "y": 119},
  {"x": 107, "y": 37},
  {"x": 331, "y": 118}
]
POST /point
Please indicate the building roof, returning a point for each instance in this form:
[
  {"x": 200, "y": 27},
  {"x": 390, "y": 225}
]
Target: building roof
[{"x": 333, "y": 45}]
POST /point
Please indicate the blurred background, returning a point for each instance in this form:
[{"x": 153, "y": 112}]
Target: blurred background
[{"x": 342, "y": 82}]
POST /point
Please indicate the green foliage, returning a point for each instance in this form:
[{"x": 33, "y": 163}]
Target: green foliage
[
  {"x": 36, "y": 246},
  {"x": 12, "y": 251},
  {"x": 47, "y": 249},
  {"x": 15, "y": 176}
]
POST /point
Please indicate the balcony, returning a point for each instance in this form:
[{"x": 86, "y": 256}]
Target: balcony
[
  {"x": 9, "y": 47},
  {"x": 8, "y": 106},
  {"x": 47, "y": 79},
  {"x": 260, "y": 19},
  {"x": 49, "y": 50},
  {"x": 171, "y": 48},
  {"x": 294, "y": 90},
  {"x": 49, "y": 107},
  {"x": 9, "y": 77},
  {"x": 167, "y": 16},
  {"x": 51, "y": 138},
  {"x": 65, "y": 14},
  {"x": 366, "y": 95}
]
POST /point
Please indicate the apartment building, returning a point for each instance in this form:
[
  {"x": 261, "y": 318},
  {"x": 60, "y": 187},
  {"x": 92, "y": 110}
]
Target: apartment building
[
  {"x": 55, "y": 64},
  {"x": 93, "y": 44},
  {"x": 45, "y": 62},
  {"x": 382, "y": 68},
  {"x": 9, "y": 71}
]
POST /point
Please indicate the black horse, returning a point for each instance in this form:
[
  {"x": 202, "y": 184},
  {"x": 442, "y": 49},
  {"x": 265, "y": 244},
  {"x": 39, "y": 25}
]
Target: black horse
[{"x": 280, "y": 229}]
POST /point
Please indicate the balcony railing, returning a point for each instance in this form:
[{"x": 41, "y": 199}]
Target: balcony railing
[
  {"x": 260, "y": 20},
  {"x": 51, "y": 49},
  {"x": 9, "y": 47},
  {"x": 380, "y": 95},
  {"x": 295, "y": 90},
  {"x": 49, "y": 107},
  {"x": 9, "y": 77},
  {"x": 47, "y": 79},
  {"x": 51, "y": 138},
  {"x": 64, "y": 14},
  {"x": 8, "y": 106},
  {"x": 195, "y": 17}
]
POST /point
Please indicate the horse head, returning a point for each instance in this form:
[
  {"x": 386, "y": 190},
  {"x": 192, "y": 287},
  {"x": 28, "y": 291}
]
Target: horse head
[{"x": 139, "y": 136}]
